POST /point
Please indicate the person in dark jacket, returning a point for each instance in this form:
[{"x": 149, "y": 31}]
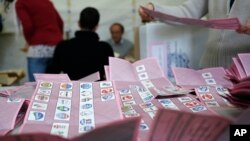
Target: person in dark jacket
[
  {"x": 85, "y": 53},
  {"x": 1, "y": 23}
]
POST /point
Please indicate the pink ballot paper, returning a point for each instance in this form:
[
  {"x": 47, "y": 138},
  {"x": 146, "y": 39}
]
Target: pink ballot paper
[
  {"x": 244, "y": 58},
  {"x": 212, "y": 96},
  {"x": 9, "y": 109},
  {"x": 123, "y": 130},
  {"x": 51, "y": 77},
  {"x": 122, "y": 70},
  {"x": 238, "y": 69},
  {"x": 138, "y": 99},
  {"x": 189, "y": 78},
  {"x": 183, "y": 126},
  {"x": 228, "y": 23},
  {"x": 91, "y": 78},
  {"x": 106, "y": 69},
  {"x": 71, "y": 108}
]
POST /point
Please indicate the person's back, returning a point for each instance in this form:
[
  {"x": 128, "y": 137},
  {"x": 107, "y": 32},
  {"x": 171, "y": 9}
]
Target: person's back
[{"x": 84, "y": 54}]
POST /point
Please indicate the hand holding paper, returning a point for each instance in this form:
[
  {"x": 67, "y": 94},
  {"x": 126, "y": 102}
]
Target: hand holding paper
[
  {"x": 244, "y": 29},
  {"x": 228, "y": 23},
  {"x": 144, "y": 15}
]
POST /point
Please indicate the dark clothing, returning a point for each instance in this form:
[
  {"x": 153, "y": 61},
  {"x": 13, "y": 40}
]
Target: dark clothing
[
  {"x": 1, "y": 23},
  {"x": 81, "y": 56},
  {"x": 231, "y": 3}
]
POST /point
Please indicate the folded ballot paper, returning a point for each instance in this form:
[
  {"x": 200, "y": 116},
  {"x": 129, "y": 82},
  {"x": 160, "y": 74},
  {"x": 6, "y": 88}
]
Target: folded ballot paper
[
  {"x": 9, "y": 111},
  {"x": 70, "y": 108},
  {"x": 122, "y": 130},
  {"x": 189, "y": 78},
  {"x": 184, "y": 126}
]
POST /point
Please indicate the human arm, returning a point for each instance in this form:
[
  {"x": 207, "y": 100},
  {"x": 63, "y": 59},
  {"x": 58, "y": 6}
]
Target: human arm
[
  {"x": 144, "y": 16},
  {"x": 190, "y": 8},
  {"x": 245, "y": 28},
  {"x": 25, "y": 20},
  {"x": 25, "y": 48}
]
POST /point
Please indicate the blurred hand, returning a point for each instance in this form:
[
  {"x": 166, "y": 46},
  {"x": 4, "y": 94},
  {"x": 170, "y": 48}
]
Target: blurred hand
[
  {"x": 244, "y": 29},
  {"x": 145, "y": 17},
  {"x": 25, "y": 48}
]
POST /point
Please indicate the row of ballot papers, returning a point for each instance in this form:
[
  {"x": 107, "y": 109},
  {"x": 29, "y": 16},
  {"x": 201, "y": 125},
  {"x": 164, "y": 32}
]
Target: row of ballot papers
[{"x": 139, "y": 90}]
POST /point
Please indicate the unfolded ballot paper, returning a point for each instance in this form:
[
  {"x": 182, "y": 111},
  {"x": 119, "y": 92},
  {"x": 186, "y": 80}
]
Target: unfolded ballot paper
[
  {"x": 149, "y": 110},
  {"x": 213, "y": 96},
  {"x": 189, "y": 78},
  {"x": 122, "y": 130},
  {"x": 70, "y": 108},
  {"x": 137, "y": 98},
  {"x": 122, "y": 70}
]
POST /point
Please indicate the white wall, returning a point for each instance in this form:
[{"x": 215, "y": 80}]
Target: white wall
[{"x": 110, "y": 10}]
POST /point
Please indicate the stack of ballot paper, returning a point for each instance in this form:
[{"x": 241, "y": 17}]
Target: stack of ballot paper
[
  {"x": 239, "y": 74},
  {"x": 240, "y": 67},
  {"x": 183, "y": 126}
]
